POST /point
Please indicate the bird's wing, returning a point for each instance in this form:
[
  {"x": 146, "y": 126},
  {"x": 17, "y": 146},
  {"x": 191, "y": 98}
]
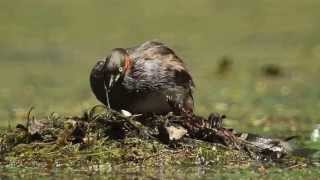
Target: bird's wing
[{"x": 165, "y": 58}]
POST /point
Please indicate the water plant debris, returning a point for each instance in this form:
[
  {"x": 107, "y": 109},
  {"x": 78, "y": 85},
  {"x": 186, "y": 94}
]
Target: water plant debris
[{"x": 102, "y": 135}]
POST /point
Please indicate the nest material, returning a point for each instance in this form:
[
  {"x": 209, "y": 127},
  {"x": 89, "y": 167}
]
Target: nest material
[{"x": 101, "y": 125}]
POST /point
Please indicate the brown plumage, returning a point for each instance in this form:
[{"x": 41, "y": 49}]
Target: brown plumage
[{"x": 149, "y": 78}]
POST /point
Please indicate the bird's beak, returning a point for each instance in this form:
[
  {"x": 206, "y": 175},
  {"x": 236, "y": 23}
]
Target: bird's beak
[{"x": 113, "y": 79}]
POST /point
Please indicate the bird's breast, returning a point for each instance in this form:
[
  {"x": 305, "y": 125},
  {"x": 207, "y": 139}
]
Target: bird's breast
[
  {"x": 140, "y": 102},
  {"x": 154, "y": 102}
]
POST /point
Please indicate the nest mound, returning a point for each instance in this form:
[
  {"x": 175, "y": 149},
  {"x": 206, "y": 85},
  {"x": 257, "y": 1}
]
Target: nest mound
[{"x": 102, "y": 136}]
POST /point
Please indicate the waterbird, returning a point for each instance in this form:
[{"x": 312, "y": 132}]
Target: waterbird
[{"x": 146, "y": 79}]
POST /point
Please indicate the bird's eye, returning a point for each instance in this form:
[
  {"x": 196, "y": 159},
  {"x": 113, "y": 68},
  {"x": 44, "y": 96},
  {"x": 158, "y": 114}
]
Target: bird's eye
[{"x": 120, "y": 69}]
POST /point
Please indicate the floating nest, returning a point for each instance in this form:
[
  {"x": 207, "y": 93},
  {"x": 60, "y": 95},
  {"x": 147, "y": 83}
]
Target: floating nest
[{"x": 102, "y": 136}]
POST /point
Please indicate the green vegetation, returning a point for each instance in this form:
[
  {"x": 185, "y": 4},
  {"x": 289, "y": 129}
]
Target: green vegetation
[{"x": 48, "y": 47}]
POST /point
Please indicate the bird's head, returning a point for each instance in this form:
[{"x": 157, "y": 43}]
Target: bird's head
[{"x": 116, "y": 66}]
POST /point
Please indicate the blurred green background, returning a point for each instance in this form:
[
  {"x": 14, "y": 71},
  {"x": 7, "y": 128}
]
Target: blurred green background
[{"x": 47, "y": 49}]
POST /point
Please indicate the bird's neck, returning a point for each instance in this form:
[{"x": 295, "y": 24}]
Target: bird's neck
[{"x": 127, "y": 63}]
